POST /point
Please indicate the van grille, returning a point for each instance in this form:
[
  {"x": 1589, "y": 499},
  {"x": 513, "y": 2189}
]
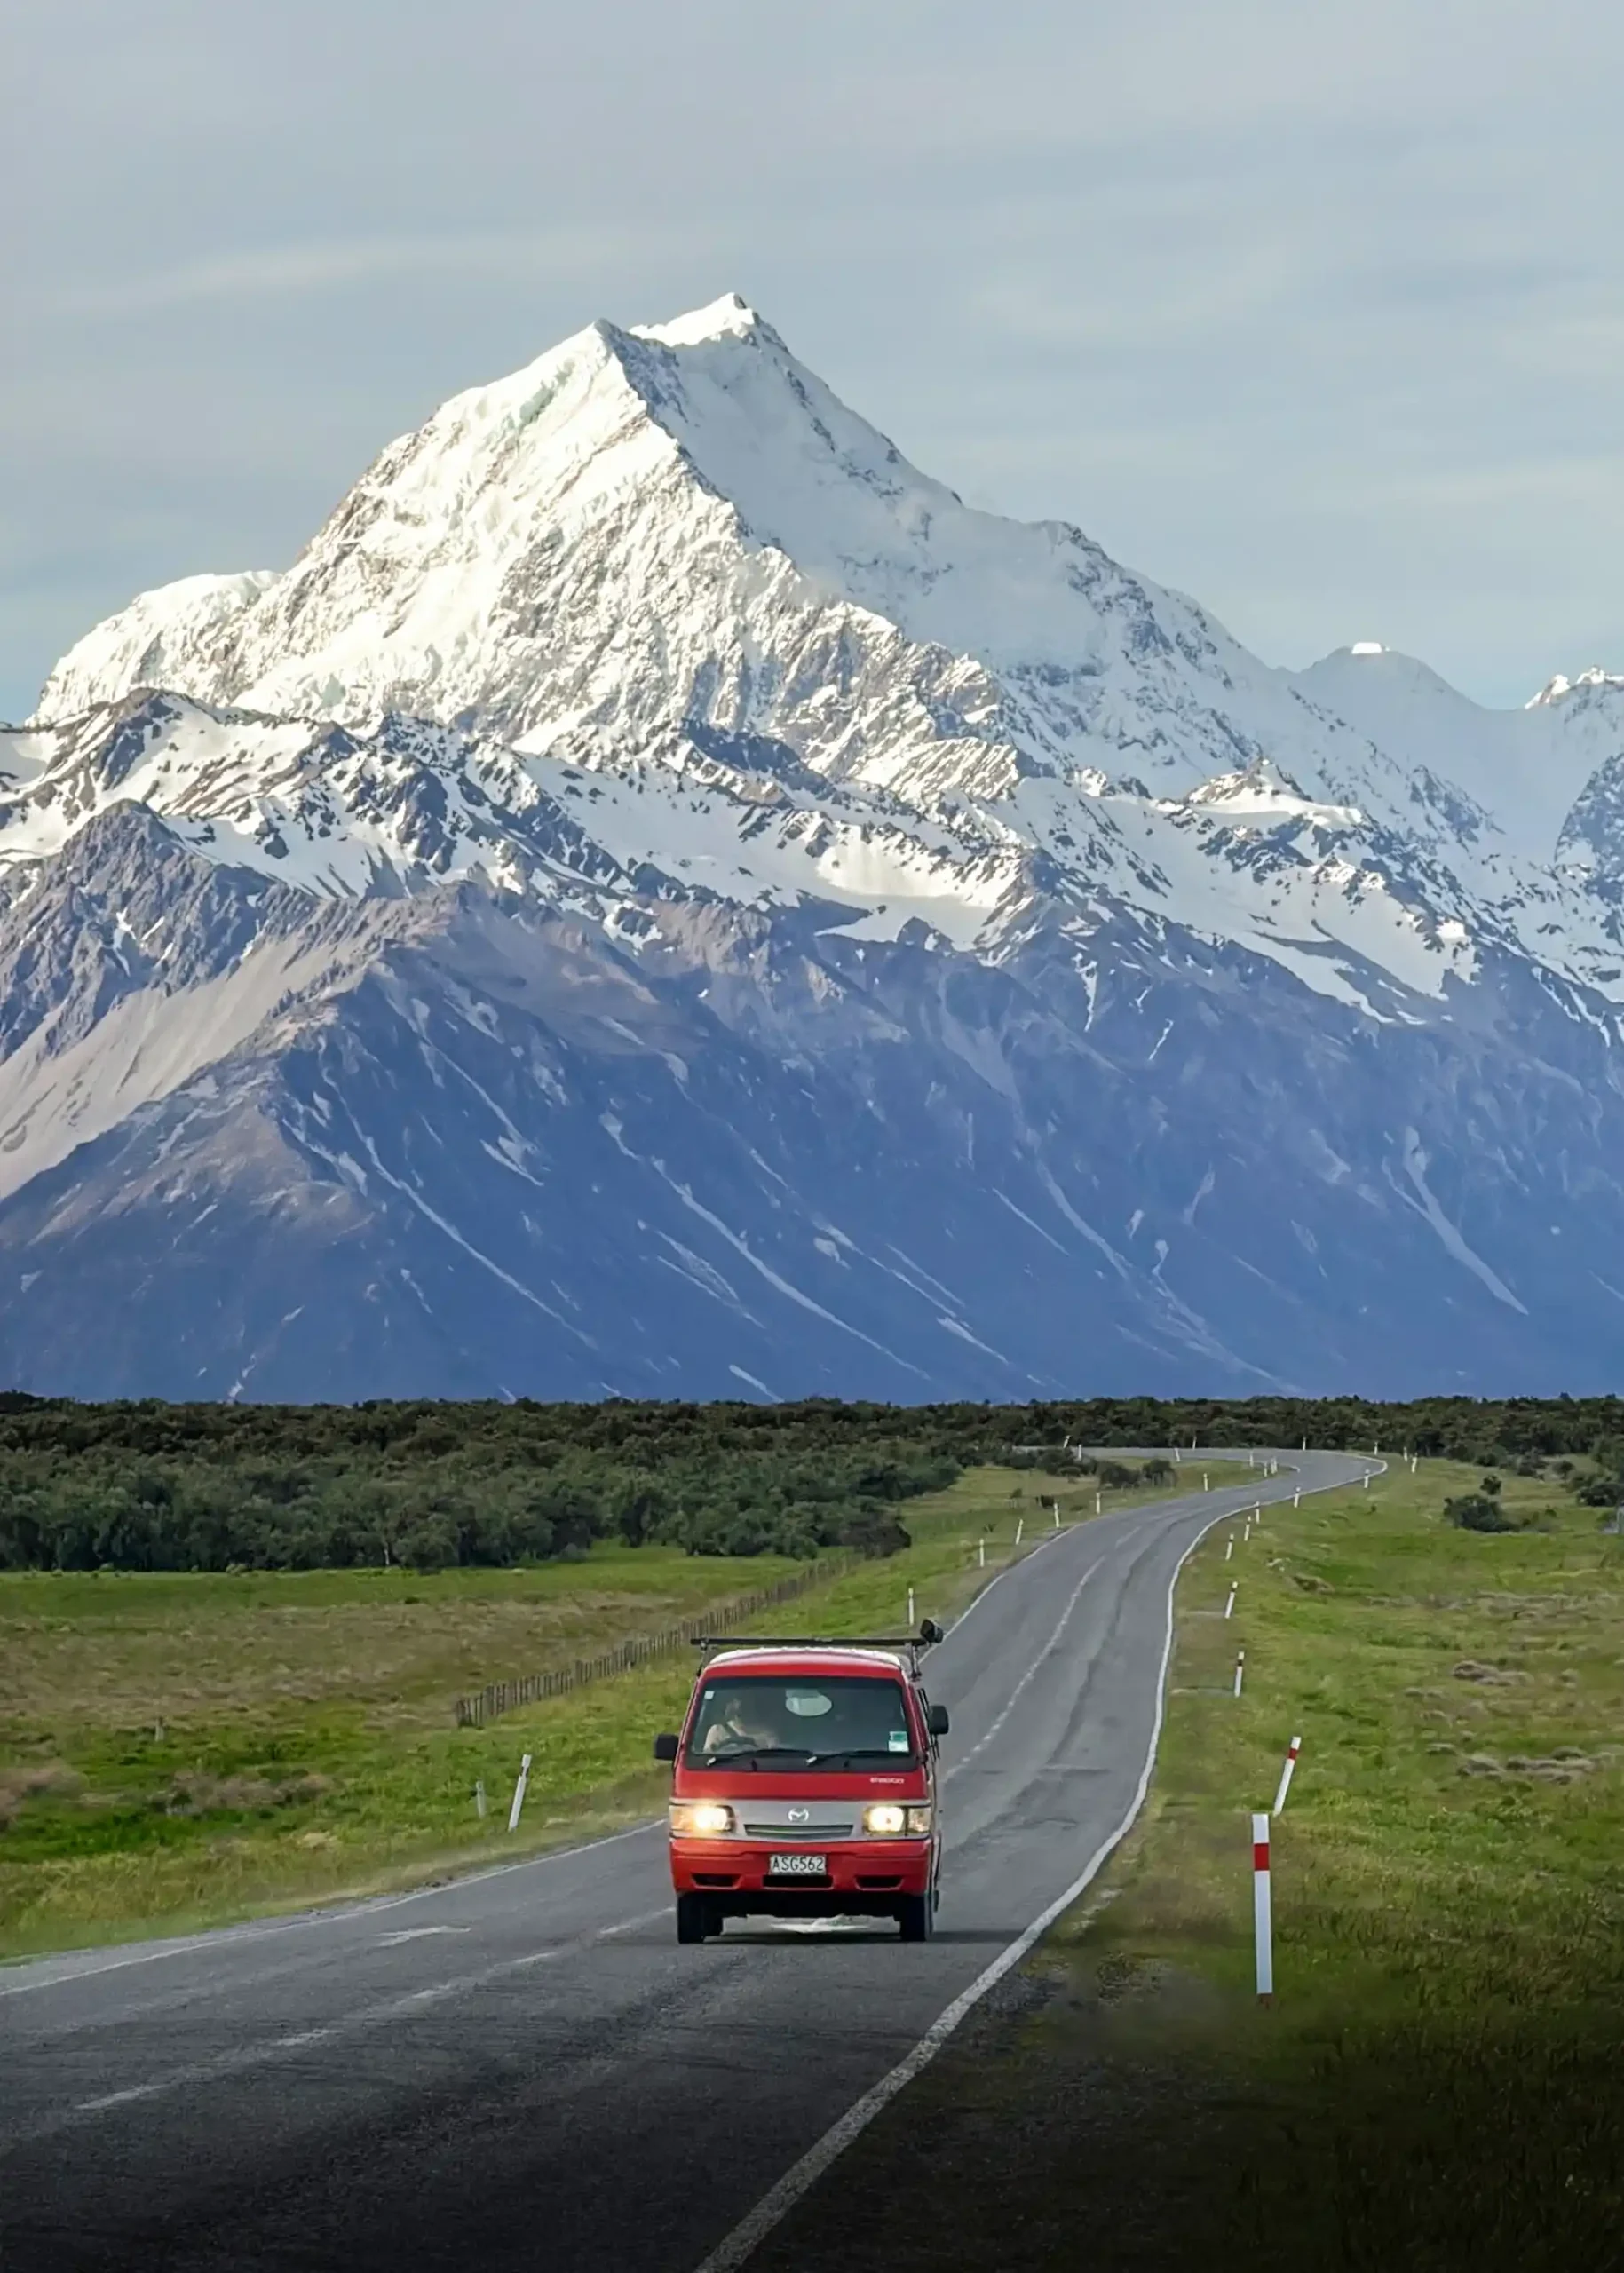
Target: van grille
[{"x": 782, "y": 1830}]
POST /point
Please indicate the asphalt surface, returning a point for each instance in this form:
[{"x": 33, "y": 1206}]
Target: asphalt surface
[{"x": 523, "y": 2069}]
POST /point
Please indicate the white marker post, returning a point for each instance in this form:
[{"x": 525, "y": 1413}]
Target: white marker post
[
  {"x": 1296, "y": 1499},
  {"x": 910, "y": 1609},
  {"x": 1020, "y": 1525},
  {"x": 1205, "y": 1481},
  {"x": 1057, "y": 1515},
  {"x": 1241, "y": 1667},
  {"x": 1263, "y": 1920},
  {"x": 1229, "y": 1607},
  {"x": 1100, "y": 1501},
  {"x": 480, "y": 1806},
  {"x": 1230, "y": 1548},
  {"x": 981, "y": 1551},
  {"x": 518, "y": 1793},
  {"x": 1286, "y": 1773}
]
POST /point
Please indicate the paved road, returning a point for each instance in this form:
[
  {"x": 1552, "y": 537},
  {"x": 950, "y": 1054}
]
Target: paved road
[{"x": 523, "y": 2069}]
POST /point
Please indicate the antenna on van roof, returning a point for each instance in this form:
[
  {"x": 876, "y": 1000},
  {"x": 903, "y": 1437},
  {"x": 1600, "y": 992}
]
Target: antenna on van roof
[{"x": 929, "y": 1633}]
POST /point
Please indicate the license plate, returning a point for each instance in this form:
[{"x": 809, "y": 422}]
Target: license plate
[{"x": 798, "y": 1866}]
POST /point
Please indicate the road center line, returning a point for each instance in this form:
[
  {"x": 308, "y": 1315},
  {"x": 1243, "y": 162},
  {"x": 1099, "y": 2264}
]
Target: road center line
[
  {"x": 1048, "y": 1651},
  {"x": 250, "y": 2056}
]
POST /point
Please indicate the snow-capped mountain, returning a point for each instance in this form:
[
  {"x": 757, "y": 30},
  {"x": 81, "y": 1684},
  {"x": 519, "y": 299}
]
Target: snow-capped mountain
[{"x": 662, "y": 896}]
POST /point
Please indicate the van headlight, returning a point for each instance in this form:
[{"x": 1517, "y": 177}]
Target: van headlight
[
  {"x": 894, "y": 1819},
  {"x": 701, "y": 1818}
]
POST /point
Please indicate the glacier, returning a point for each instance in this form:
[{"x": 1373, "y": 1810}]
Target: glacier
[{"x": 662, "y": 899}]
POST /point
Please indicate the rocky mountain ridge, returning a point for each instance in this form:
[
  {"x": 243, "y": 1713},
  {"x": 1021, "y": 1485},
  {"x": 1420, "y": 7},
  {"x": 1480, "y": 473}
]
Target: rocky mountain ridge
[{"x": 661, "y": 897}]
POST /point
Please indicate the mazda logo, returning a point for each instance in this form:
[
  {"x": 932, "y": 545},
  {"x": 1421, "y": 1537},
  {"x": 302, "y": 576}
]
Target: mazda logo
[{"x": 799, "y": 1815}]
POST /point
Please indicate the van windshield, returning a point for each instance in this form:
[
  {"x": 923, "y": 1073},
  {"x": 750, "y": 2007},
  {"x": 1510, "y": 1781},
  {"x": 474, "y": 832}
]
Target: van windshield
[{"x": 780, "y": 1720}]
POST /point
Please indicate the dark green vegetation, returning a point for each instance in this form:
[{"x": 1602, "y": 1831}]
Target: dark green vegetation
[
  {"x": 209, "y": 1487},
  {"x": 1436, "y": 2084},
  {"x": 160, "y": 1487}
]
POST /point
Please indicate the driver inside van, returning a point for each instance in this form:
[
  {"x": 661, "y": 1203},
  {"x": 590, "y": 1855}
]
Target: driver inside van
[{"x": 744, "y": 1724}]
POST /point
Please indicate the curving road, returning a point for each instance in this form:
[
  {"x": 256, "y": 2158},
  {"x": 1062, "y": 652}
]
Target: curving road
[{"x": 522, "y": 2069}]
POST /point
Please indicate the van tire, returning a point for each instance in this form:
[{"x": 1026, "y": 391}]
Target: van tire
[
  {"x": 916, "y": 1916},
  {"x": 696, "y": 1920}
]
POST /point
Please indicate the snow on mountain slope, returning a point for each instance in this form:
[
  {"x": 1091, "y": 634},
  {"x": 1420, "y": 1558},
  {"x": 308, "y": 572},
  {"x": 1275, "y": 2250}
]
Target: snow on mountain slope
[
  {"x": 673, "y": 544},
  {"x": 150, "y": 642},
  {"x": 692, "y": 496},
  {"x": 1525, "y": 767}
]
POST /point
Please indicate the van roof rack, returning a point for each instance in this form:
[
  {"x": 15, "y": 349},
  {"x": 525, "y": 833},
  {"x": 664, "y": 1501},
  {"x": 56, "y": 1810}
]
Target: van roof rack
[{"x": 929, "y": 1633}]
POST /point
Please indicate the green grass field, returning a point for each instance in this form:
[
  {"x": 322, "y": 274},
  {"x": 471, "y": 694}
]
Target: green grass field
[
  {"x": 1436, "y": 2084},
  {"x": 181, "y": 1750}
]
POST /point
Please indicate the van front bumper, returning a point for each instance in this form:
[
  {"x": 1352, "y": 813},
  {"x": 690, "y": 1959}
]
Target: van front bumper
[{"x": 863, "y": 1876}]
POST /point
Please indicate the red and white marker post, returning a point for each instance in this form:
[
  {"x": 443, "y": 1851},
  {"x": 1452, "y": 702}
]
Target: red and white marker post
[
  {"x": 1263, "y": 1920},
  {"x": 1286, "y": 1773}
]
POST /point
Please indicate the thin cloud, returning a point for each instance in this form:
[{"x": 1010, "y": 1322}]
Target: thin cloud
[{"x": 280, "y": 272}]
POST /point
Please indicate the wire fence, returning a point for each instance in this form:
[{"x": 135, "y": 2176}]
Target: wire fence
[{"x": 499, "y": 1696}]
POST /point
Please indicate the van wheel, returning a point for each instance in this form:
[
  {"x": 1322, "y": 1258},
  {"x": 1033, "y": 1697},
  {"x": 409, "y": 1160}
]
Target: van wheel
[
  {"x": 696, "y": 1920},
  {"x": 916, "y": 1916}
]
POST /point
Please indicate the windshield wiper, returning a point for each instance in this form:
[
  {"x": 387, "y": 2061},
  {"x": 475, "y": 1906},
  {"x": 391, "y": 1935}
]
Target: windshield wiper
[
  {"x": 863, "y": 1751},
  {"x": 753, "y": 1752}
]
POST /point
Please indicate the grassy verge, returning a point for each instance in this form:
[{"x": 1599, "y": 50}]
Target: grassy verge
[
  {"x": 1436, "y": 2082},
  {"x": 177, "y": 1751}
]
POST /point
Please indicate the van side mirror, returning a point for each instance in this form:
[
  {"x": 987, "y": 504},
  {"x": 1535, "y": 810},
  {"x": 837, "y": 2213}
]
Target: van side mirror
[
  {"x": 930, "y": 1631},
  {"x": 665, "y": 1747},
  {"x": 935, "y": 1720}
]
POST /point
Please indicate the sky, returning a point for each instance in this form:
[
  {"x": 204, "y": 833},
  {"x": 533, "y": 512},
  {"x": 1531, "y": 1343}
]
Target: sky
[{"x": 1316, "y": 313}]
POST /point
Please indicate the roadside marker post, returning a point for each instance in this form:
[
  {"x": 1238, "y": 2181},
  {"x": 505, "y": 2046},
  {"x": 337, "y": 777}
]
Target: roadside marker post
[
  {"x": 910, "y": 1609},
  {"x": 1020, "y": 1525},
  {"x": 1100, "y": 1501},
  {"x": 479, "y": 1804},
  {"x": 1286, "y": 1773},
  {"x": 1263, "y": 1920},
  {"x": 1296, "y": 1499},
  {"x": 1229, "y": 1607},
  {"x": 1057, "y": 1515},
  {"x": 518, "y": 1793},
  {"x": 1230, "y": 1548},
  {"x": 981, "y": 1552},
  {"x": 1205, "y": 1481},
  {"x": 1241, "y": 1667}
]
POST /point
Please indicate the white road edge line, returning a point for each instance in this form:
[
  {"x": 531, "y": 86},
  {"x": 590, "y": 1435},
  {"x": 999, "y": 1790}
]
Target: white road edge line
[{"x": 738, "y": 2246}]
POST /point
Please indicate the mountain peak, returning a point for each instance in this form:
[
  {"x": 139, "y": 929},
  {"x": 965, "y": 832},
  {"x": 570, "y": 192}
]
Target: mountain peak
[{"x": 728, "y": 318}]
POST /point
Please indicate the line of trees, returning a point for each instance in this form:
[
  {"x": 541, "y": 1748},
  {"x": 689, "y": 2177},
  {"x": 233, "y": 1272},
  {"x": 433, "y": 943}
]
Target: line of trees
[{"x": 155, "y": 1487}]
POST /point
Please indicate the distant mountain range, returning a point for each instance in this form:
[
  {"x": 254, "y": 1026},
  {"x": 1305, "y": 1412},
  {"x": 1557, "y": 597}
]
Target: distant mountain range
[{"x": 661, "y": 899}]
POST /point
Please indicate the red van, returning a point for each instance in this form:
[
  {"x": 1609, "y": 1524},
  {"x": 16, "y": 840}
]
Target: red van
[{"x": 805, "y": 1785}]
